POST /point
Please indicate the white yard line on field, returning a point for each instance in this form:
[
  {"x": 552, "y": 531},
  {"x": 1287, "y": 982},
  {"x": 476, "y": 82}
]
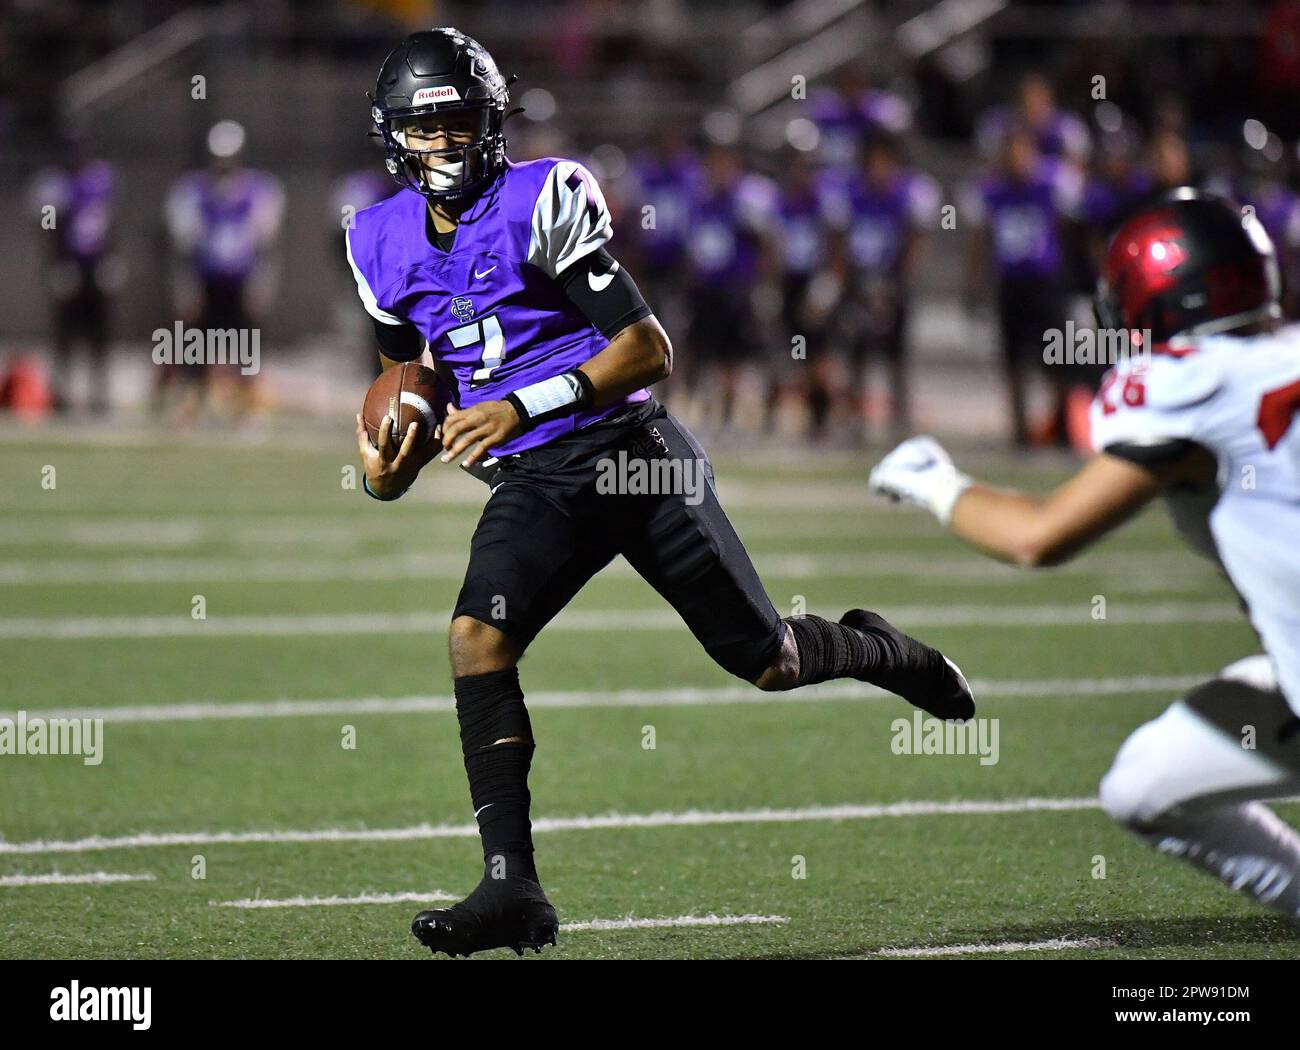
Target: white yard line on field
[
  {"x": 39, "y": 572},
  {"x": 88, "y": 878},
  {"x": 1047, "y": 688},
  {"x": 1058, "y": 944},
  {"x": 630, "y": 923},
  {"x": 606, "y": 822},
  {"x": 597, "y": 620},
  {"x": 590, "y": 926},
  {"x": 253, "y": 903}
]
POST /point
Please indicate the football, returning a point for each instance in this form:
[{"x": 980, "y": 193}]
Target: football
[{"x": 409, "y": 392}]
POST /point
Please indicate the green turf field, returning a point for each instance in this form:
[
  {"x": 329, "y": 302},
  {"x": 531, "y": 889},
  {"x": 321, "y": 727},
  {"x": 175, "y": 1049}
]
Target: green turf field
[{"x": 786, "y": 825}]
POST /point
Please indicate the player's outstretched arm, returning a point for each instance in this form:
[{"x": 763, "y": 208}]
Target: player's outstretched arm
[
  {"x": 637, "y": 356},
  {"x": 1025, "y": 530}
]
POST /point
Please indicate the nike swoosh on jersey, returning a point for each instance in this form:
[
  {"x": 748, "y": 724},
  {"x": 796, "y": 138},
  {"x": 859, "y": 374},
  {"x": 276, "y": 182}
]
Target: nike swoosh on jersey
[
  {"x": 599, "y": 284},
  {"x": 479, "y": 276},
  {"x": 478, "y": 811}
]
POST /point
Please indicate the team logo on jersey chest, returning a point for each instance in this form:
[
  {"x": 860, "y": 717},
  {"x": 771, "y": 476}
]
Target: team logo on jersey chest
[{"x": 463, "y": 307}]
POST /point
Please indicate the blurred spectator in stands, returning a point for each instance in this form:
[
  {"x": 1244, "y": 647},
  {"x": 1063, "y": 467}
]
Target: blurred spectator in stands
[
  {"x": 1056, "y": 132},
  {"x": 883, "y": 216},
  {"x": 1021, "y": 213},
  {"x": 1170, "y": 162},
  {"x": 81, "y": 273},
  {"x": 729, "y": 223},
  {"x": 1277, "y": 67},
  {"x": 224, "y": 222},
  {"x": 1259, "y": 180}
]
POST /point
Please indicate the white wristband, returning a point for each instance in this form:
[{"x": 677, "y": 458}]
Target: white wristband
[{"x": 548, "y": 395}]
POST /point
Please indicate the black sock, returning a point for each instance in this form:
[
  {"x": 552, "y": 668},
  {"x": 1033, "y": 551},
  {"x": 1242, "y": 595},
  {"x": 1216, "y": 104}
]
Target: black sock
[
  {"x": 831, "y": 650},
  {"x": 490, "y": 707}
]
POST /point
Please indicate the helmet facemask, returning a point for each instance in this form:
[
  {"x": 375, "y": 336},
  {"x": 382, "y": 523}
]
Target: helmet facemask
[{"x": 441, "y": 153}]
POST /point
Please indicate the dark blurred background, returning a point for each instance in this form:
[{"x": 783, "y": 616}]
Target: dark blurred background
[{"x": 798, "y": 159}]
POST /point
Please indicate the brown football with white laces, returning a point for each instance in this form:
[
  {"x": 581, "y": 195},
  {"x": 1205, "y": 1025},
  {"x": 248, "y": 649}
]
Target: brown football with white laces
[{"x": 410, "y": 392}]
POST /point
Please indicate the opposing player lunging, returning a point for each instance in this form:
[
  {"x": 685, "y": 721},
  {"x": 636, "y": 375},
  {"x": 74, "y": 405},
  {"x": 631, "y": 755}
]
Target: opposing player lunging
[
  {"x": 1207, "y": 420},
  {"x": 497, "y": 274}
]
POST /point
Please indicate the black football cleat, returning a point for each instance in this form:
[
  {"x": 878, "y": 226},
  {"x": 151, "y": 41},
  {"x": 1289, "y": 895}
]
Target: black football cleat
[
  {"x": 921, "y": 675},
  {"x": 501, "y": 913}
]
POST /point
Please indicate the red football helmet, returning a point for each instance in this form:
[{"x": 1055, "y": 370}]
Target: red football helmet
[{"x": 1191, "y": 264}]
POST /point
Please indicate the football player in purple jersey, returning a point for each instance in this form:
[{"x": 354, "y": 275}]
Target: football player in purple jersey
[
  {"x": 884, "y": 216},
  {"x": 1022, "y": 212},
  {"x": 223, "y": 221},
  {"x": 82, "y": 272},
  {"x": 499, "y": 275}
]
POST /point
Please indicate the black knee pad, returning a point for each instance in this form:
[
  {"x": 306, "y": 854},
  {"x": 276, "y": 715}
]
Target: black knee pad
[{"x": 490, "y": 707}]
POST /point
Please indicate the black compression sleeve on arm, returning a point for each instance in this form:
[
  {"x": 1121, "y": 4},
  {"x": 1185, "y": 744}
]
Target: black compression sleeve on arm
[
  {"x": 1152, "y": 456},
  {"x": 399, "y": 342},
  {"x": 604, "y": 292}
]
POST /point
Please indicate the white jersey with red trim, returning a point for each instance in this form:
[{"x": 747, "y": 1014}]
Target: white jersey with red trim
[{"x": 1238, "y": 397}]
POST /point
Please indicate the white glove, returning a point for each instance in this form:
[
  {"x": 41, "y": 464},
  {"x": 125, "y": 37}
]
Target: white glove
[{"x": 920, "y": 472}]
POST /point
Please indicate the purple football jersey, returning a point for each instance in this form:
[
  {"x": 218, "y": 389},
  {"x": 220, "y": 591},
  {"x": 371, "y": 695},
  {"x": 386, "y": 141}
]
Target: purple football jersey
[
  {"x": 877, "y": 220},
  {"x": 492, "y": 308},
  {"x": 1106, "y": 200},
  {"x": 800, "y": 223},
  {"x": 1026, "y": 218},
  {"x": 727, "y": 226},
  {"x": 845, "y": 122},
  {"x": 225, "y": 222},
  {"x": 1061, "y": 136},
  {"x": 669, "y": 186},
  {"x": 82, "y": 200}
]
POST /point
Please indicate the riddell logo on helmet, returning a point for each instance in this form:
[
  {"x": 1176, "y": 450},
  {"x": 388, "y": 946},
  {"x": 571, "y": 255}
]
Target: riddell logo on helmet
[{"x": 436, "y": 94}]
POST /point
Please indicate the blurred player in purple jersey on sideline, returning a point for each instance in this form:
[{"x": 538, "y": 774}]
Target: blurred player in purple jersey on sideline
[
  {"x": 1057, "y": 133},
  {"x": 223, "y": 222},
  {"x": 883, "y": 217},
  {"x": 664, "y": 178},
  {"x": 1120, "y": 185},
  {"x": 849, "y": 112},
  {"x": 499, "y": 276},
  {"x": 809, "y": 288},
  {"x": 81, "y": 272},
  {"x": 1021, "y": 211},
  {"x": 729, "y": 253}
]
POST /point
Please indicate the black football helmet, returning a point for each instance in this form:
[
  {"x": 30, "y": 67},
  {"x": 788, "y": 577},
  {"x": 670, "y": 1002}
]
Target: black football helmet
[
  {"x": 433, "y": 74},
  {"x": 1190, "y": 264}
]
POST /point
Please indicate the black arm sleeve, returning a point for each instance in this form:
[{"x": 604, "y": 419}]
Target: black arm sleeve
[
  {"x": 604, "y": 292},
  {"x": 1151, "y": 456},
  {"x": 399, "y": 342}
]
